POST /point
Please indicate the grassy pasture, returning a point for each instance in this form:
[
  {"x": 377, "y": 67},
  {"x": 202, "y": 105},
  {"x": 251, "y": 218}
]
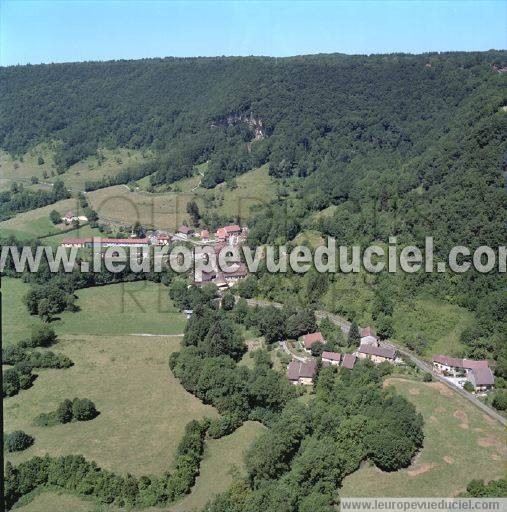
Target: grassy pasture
[
  {"x": 168, "y": 210},
  {"x": 89, "y": 169},
  {"x": 461, "y": 443},
  {"x": 50, "y": 501},
  {"x": 36, "y": 223},
  {"x": 125, "y": 308},
  {"x": 143, "y": 408},
  {"x": 16, "y": 321},
  {"x": 223, "y": 458}
]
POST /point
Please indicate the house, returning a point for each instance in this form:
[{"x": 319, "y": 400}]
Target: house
[
  {"x": 299, "y": 372},
  {"x": 124, "y": 242},
  {"x": 310, "y": 339},
  {"x": 368, "y": 338},
  {"x": 185, "y": 232},
  {"x": 70, "y": 217},
  {"x": 229, "y": 234},
  {"x": 240, "y": 273},
  {"x": 455, "y": 366},
  {"x": 348, "y": 361},
  {"x": 377, "y": 354},
  {"x": 482, "y": 378},
  {"x": 161, "y": 239},
  {"x": 331, "y": 358},
  {"x": 204, "y": 235}
]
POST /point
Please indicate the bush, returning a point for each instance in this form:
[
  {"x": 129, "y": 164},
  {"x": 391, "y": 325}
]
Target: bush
[
  {"x": 500, "y": 400},
  {"x": 64, "y": 412},
  {"x": 427, "y": 377},
  {"x": 18, "y": 441},
  {"x": 83, "y": 409},
  {"x": 223, "y": 426},
  {"x": 469, "y": 387}
]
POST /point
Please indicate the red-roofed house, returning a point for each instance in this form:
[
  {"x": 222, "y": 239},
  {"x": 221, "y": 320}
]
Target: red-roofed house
[
  {"x": 205, "y": 235},
  {"x": 310, "y": 339},
  {"x": 332, "y": 358}
]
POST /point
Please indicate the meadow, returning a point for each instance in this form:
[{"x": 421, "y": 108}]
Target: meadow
[
  {"x": 143, "y": 408},
  {"x": 36, "y": 223},
  {"x": 457, "y": 435},
  {"x": 92, "y": 168},
  {"x": 16, "y": 321},
  {"x": 140, "y": 307},
  {"x": 167, "y": 210}
]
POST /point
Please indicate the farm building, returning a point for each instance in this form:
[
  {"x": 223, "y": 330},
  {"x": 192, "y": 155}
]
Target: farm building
[
  {"x": 310, "y": 339},
  {"x": 482, "y": 379},
  {"x": 331, "y": 358},
  {"x": 349, "y": 361},
  {"x": 368, "y": 338},
  {"x": 377, "y": 354},
  {"x": 299, "y": 372},
  {"x": 455, "y": 366}
]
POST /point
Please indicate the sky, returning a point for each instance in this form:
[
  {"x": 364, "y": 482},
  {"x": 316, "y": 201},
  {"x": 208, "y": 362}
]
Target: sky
[{"x": 35, "y": 31}]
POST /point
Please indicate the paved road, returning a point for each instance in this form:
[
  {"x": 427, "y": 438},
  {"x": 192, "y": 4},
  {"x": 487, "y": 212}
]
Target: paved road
[{"x": 420, "y": 363}]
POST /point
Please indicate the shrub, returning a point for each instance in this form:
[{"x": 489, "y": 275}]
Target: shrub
[
  {"x": 469, "y": 387},
  {"x": 500, "y": 400},
  {"x": 223, "y": 426},
  {"x": 64, "y": 412},
  {"x": 427, "y": 377},
  {"x": 18, "y": 441},
  {"x": 83, "y": 409}
]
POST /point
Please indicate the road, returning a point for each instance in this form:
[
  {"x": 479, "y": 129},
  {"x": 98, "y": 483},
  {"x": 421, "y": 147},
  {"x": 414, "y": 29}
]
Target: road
[{"x": 419, "y": 362}]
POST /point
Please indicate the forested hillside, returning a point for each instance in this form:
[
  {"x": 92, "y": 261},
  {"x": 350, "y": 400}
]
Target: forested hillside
[{"x": 403, "y": 145}]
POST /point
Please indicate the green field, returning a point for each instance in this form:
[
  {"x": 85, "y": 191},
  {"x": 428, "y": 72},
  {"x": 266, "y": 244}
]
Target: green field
[
  {"x": 223, "y": 458},
  {"x": 168, "y": 210},
  {"x": 143, "y": 408},
  {"x": 36, "y": 223},
  {"x": 16, "y": 321},
  {"x": 140, "y": 307},
  {"x": 90, "y": 169},
  {"x": 461, "y": 443},
  {"x": 51, "y": 501},
  {"x": 82, "y": 232}
]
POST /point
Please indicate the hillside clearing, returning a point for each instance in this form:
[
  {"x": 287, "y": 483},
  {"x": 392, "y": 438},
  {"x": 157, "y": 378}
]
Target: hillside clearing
[{"x": 168, "y": 210}]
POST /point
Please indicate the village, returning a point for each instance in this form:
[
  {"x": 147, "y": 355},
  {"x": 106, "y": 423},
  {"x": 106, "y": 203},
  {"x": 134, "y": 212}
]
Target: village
[{"x": 474, "y": 376}]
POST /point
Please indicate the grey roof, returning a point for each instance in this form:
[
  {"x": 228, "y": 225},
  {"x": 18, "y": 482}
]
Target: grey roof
[
  {"x": 298, "y": 369},
  {"x": 483, "y": 376},
  {"x": 348, "y": 361},
  {"x": 387, "y": 352}
]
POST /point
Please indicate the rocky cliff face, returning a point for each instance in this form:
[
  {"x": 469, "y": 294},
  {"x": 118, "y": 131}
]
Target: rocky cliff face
[{"x": 254, "y": 123}]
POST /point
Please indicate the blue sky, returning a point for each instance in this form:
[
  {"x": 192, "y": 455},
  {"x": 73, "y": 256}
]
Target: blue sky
[{"x": 62, "y": 31}]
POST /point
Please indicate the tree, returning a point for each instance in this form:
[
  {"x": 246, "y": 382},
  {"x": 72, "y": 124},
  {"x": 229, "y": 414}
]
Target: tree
[
  {"x": 427, "y": 377},
  {"x": 83, "y": 409},
  {"x": 18, "y": 441},
  {"x": 241, "y": 311},
  {"x": 193, "y": 211},
  {"x": 317, "y": 349},
  {"x": 64, "y": 411},
  {"x": 55, "y": 217},
  {"x": 45, "y": 310},
  {"x": 40, "y": 160},
  {"x": 354, "y": 336},
  {"x": 42, "y": 335},
  {"x": 500, "y": 400},
  {"x": 228, "y": 301},
  {"x": 384, "y": 326}
]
